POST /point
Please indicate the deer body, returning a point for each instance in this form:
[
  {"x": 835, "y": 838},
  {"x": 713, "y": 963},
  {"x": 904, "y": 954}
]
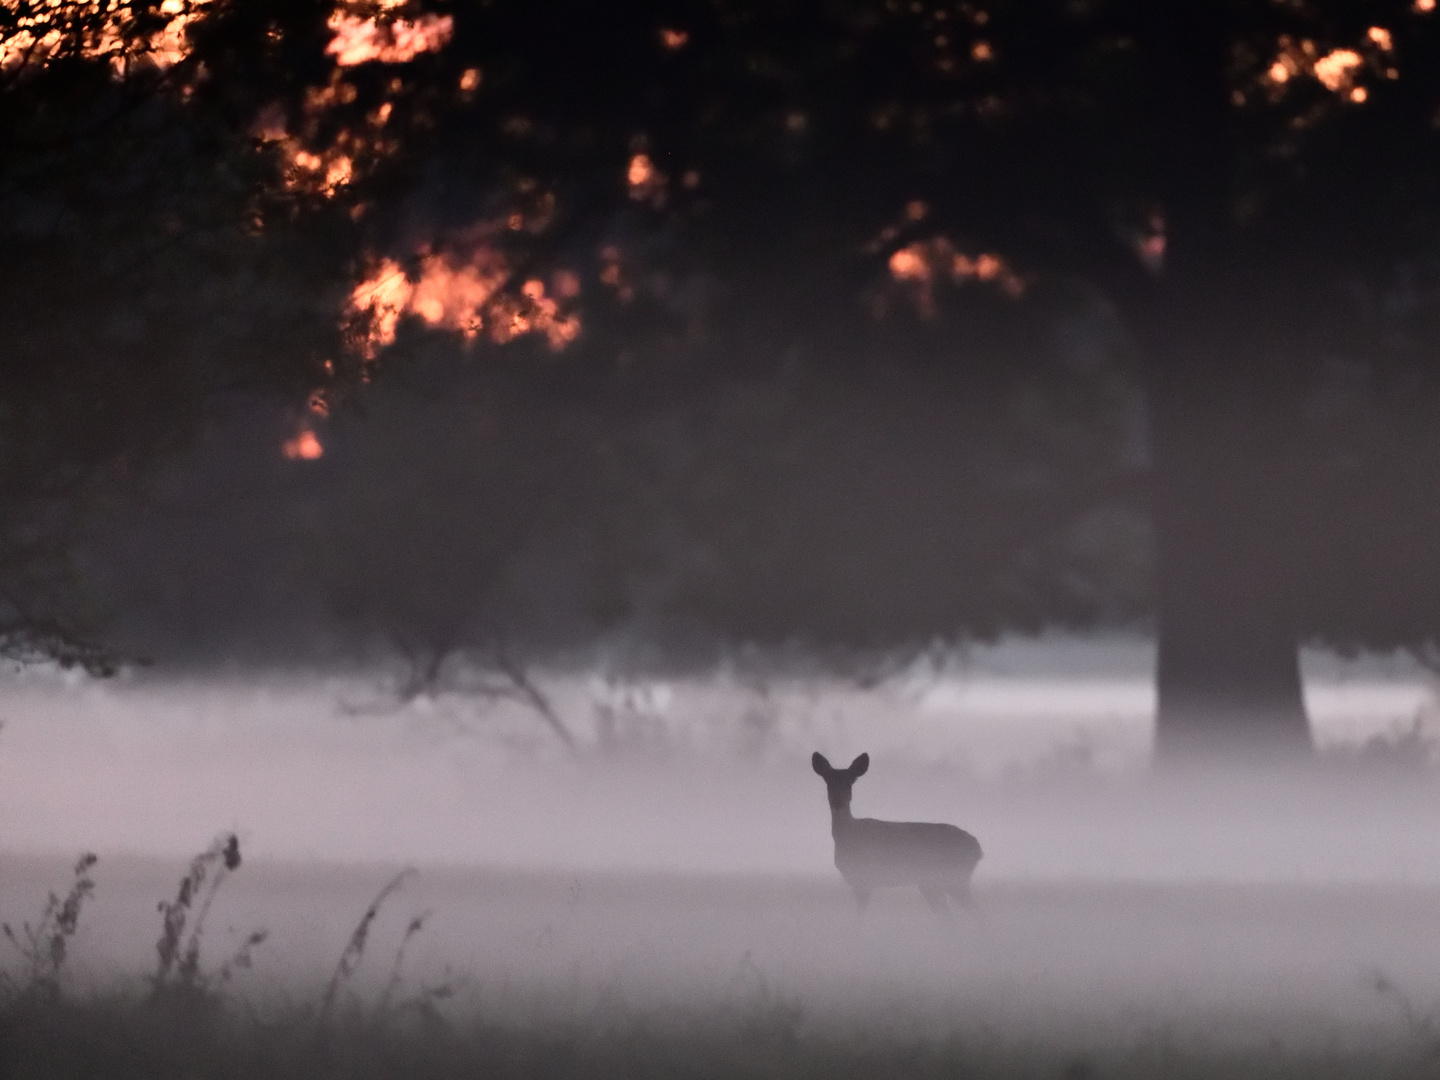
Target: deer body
[{"x": 938, "y": 859}]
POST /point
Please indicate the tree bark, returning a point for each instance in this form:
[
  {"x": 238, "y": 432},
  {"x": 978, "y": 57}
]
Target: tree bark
[
  {"x": 1228, "y": 673},
  {"x": 1224, "y": 411}
]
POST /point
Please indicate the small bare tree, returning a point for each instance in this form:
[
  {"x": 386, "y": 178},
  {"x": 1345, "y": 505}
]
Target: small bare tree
[{"x": 413, "y": 549}]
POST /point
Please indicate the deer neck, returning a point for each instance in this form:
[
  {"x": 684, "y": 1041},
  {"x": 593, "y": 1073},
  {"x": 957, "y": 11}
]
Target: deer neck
[{"x": 840, "y": 820}]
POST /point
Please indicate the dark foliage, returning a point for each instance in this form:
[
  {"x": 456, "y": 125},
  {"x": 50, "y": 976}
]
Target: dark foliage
[{"x": 874, "y": 297}]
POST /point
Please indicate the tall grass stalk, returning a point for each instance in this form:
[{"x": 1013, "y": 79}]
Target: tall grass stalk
[
  {"x": 45, "y": 945},
  {"x": 178, "y": 967},
  {"x": 354, "y": 950}
]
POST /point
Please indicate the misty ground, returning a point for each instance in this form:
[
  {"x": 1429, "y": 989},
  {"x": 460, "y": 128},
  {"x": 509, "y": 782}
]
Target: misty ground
[
  {"x": 1121, "y": 977},
  {"x": 663, "y": 901}
]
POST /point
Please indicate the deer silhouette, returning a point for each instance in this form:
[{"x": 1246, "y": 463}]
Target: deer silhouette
[{"x": 871, "y": 854}]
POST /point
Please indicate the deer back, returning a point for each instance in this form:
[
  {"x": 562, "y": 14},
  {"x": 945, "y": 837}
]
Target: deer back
[{"x": 904, "y": 852}]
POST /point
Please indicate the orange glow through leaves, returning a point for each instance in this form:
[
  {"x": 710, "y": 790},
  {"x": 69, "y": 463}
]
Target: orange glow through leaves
[
  {"x": 910, "y": 264},
  {"x": 359, "y": 40},
  {"x": 567, "y": 285},
  {"x": 315, "y": 157},
  {"x": 641, "y": 171},
  {"x": 613, "y": 274},
  {"x": 383, "y": 297},
  {"x": 306, "y": 446},
  {"x": 101, "y": 28},
  {"x": 322, "y": 173},
  {"x": 454, "y": 295},
  {"x": 646, "y": 182},
  {"x": 465, "y": 295},
  {"x": 674, "y": 39},
  {"x": 1336, "y": 69},
  {"x": 95, "y": 29},
  {"x": 1151, "y": 250},
  {"x": 924, "y": 263}
]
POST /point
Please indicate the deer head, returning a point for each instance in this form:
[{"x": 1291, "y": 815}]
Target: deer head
[{"x": 838, "y": 782}]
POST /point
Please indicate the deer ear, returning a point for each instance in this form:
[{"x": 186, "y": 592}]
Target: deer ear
[
  {"x": 819, "y": 764},
  {"x": 859, "y": 765}
]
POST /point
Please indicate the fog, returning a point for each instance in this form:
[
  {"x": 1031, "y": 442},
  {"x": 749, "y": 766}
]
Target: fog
[
  {"x": 1083, "y": 963},
  {"x": 711, "y": 774},
  {"x": 681, "y": 859}
]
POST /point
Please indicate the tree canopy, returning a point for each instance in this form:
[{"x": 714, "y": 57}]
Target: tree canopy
[{"x": 1140, "y": 296}]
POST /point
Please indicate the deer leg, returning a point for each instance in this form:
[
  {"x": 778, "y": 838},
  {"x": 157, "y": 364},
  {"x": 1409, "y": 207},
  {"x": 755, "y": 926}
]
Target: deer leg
[
  {"x": 935, "y": 897},
  {"x": 960, "y": 892},
  {"x": 862, "y": 897}
]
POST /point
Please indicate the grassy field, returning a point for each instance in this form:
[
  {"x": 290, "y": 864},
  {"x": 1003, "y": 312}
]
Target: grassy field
[
  {"x": 115, "y": 1041},
  {"x": 484, "y": 972},
  {"x": 1129, "y": 925}
]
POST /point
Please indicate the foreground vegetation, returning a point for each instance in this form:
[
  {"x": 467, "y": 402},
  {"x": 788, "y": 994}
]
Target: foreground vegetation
[
  {"x": 188, "y": 1019},
  {"x": 121, "y": 1037}
]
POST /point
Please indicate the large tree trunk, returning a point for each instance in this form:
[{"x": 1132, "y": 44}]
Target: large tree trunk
[
  {"x": 1224, "y": 411},
  {"x": 1228, "y": 669}
]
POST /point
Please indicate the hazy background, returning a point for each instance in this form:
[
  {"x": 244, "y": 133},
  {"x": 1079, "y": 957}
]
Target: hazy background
[
  {"x": 681, "y": 863},
  {"x": 1040, "y": 747}
]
